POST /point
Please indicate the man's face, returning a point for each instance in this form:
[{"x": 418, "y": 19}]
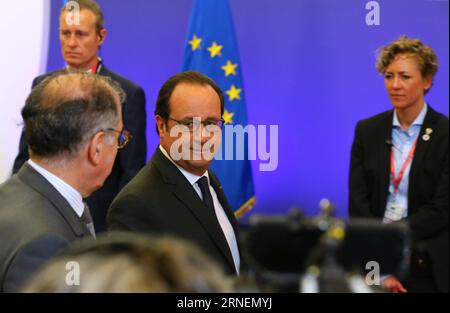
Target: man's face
[
  {"x": 189, "y": 101},
  {"x": 80, "y": 43}
]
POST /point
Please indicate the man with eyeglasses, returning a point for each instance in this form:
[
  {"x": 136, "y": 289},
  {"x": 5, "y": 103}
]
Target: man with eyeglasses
[
  {"x": 80, "y": 43},
  {"x": 175, "y": 193},
  {"x": 73, "y": 126}
]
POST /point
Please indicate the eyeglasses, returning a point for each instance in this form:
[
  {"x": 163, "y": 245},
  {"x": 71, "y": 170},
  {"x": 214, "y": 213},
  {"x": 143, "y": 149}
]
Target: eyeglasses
[
  {"x": 124, "y": 137},
  {"x": 193, "y": 124}
]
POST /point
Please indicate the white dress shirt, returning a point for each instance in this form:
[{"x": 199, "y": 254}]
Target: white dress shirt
[
  {"x": 69, "y": 193},
  {"x": 223, "y": 220}
]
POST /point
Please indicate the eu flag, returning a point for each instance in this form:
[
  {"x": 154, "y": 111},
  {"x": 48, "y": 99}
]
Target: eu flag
[{"x": 211, "y": 48}]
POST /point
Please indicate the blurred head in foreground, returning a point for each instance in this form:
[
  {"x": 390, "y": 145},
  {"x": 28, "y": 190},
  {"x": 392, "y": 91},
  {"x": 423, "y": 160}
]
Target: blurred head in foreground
[{"x": 122, "y": 262}]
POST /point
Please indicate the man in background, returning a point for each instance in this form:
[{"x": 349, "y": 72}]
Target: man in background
[
  {"x": 73, "y": 126},
  {"x": 80, "y": 43}
]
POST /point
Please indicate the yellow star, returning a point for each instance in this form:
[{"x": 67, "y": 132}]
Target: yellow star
[
  {"x": 228, "y": 117},
  {"x": 215, "y": 50},
  {"x": 229, "y": 68},
  {"x": 233, "y": 93},
  {"x": 195, "y": 43}
]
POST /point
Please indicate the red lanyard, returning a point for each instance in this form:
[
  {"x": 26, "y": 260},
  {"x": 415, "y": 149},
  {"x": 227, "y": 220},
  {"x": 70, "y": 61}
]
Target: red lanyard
[
  {"x": 396, "y": 180},
  {"x": 95, "y": 67}
]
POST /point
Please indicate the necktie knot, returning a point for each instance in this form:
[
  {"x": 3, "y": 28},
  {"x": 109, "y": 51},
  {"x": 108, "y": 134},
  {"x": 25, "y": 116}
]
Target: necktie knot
[{"x": 203, "y": 183}]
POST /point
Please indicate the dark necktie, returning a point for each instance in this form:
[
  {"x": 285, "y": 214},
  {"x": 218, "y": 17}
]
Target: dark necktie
[
  {"x": 208, "y": 201},
  {"x": 207, "y": 198},
  {"x": 87, "y": 220}
]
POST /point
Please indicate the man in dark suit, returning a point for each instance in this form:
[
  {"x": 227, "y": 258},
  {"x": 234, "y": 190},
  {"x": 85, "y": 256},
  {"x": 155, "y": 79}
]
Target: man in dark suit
[
  {"x": 80, "y": 44},
  {"x": 73, "y": 125},
  {"x": 175, "y": 193}
]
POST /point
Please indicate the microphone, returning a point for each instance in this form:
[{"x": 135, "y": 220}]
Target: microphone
[{"x": 390, "y": 144}]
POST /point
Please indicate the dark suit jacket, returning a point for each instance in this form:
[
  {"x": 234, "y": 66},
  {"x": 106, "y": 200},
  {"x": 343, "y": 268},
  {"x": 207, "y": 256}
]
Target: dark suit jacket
[
  {"x": 428, "y": 206},
  {"x": 36, "y": 224},
  {"x": 129, "y": 160},
  {"x": 161, "y": 200}
]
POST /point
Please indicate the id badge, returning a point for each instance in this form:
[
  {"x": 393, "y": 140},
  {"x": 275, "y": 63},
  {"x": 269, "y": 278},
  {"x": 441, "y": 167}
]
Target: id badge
[{"x": 394, "y": 212}]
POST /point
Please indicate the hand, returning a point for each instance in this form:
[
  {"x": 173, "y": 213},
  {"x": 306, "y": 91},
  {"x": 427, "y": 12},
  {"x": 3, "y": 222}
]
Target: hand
[{"x": 393, "y": 285}]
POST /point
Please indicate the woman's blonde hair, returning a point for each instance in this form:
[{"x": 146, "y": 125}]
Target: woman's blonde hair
[{"x": 424, "y": 55}]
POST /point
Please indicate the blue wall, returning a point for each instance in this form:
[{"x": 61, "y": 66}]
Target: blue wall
[{"x": 308, "y": 66}]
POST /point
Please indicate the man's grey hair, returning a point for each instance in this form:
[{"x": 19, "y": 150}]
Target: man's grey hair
[{"x": 66, "y": 109}]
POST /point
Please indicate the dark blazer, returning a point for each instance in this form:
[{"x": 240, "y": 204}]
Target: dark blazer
[
  {"x": 129, "y": 160},
  {"x": 36, "y": 224},
  {"x": 161, "y": 200},
  {"x": 428, "y": 206}
]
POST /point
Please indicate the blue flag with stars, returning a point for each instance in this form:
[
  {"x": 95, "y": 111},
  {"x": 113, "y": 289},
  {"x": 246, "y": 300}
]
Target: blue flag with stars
[{"x": 211, "y": 49}]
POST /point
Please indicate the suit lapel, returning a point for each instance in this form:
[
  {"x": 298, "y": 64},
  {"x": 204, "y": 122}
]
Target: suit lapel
[
  {"x": 215, "y": 183},
  {"x": 383, "y": 139},
  {"x": 223, "y": 201},
  {"x": 104, "y": 71},
  {"x": 36, "y": 181},
  {"x": 187, "y": 195},
  {"x": 421, "y": 149},
  {"x": 206, "y": 218}
]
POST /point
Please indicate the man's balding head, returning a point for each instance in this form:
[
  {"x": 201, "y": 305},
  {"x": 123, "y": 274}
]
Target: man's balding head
[{"x": 66, "y": 109}]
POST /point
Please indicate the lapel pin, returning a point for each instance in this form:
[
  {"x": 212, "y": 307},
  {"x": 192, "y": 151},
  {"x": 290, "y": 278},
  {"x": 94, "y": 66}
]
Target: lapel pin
[{"x": 427, "y": 134}]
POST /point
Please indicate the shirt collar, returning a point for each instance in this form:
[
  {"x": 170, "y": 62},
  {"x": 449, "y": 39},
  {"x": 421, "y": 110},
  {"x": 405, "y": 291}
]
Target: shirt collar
[
  {"x": 192, "y": 178},
  {"x": 69, "y": 193},
  {"x": 99, "y": 66},
  {"x": 418, "y": 121}
]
